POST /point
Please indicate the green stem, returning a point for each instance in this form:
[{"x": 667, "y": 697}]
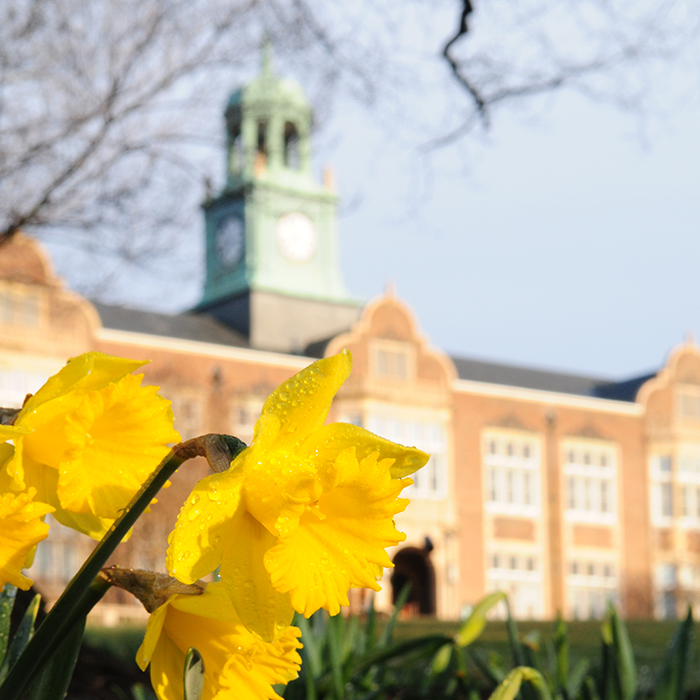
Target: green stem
[{"x": 79, "y": 598}]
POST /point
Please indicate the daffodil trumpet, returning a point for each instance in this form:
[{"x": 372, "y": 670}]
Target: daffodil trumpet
[{"x": 302, "y": 515}]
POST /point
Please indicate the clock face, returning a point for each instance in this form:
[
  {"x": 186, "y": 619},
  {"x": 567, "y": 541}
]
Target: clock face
[
  {"x": 296, "y": 237},
  {"x": 229, "y": 241}
]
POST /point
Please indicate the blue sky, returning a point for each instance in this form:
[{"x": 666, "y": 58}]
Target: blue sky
[
  {"x": 571, "y": 240},
  {"x": 565, "y": 237}
]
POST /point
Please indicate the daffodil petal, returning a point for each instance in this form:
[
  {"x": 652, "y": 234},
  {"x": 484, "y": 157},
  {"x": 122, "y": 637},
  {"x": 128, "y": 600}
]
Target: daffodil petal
[
  {"x": 301, "y": 404},
  {"x": 167, "y": 671},
  {"x": 45, "y": 480},
  {"x": 153, "y": 630},
  {"x": 196, "y": 544},
  {"x": 341, "y": 549},
  {"x": 327, "y": 442},
  {"x": 116, "y": 437},
  {"x": 261, "y": 608},
  {"x": 237, "y": 664},
  {"x": 88, "y": 372},
  {"x": 10, "y": 432},
  {"x": 21, "y": 529},
  {"x": 271, "y": 663}
]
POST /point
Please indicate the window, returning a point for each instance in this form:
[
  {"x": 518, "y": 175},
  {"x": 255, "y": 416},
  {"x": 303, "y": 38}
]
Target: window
[
  {"x": 431, "y": 481},
  {"x": 245, "y": 413},
  {"x": 292, "y": 157},
  {"x": 391, "y": 361},
  {"x": 15, "y": 384},
  {"x": 590, "y": 481},
  {"x": 665, "y": 583},
  {"x": 661, "y": 489},
  {"x": 690, "y": 404},
  {"x": 262, "y": 139},
  {"x": 517, "y": 574},
  {"x": 687, "y": 478},
  {"x": 590, "y": 585},
  {"x": 511, "y": 473},
  {"x": 188, "y": 419},
  {"x": 58, "y": 558},
  {"x": 19, "y": 306}
]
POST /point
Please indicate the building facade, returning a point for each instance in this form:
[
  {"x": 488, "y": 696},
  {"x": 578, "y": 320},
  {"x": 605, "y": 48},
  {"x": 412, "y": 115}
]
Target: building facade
[{"x": 564, "y": 491}]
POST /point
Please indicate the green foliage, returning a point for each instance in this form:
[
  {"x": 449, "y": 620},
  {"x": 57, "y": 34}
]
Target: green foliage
[
  {"x": 53, "y": 678},
  {"x": 361, "y": 659}
]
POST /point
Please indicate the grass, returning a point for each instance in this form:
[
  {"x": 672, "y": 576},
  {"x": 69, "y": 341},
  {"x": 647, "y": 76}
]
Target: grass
[
  {"x": 649, "y": 640},
  {"x": 122, "y": 641}
]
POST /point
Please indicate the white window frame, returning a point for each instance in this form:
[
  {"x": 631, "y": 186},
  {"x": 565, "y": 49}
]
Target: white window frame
[
  {"x": 584, "y": 479},
  {"x": 507, "y": 471}
]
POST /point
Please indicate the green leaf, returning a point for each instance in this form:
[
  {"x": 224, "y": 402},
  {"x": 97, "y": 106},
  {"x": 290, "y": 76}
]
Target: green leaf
[
  {"x": 475, "y": 623},
  {"x": 574, "y": 683},
  {"x": 371, "y": 626},
  {"x": 22, "y": 636},
  {"x": 623, "y": 656},
  {"x": 7, "y": 601},
  {"x": 336, "y": 632},
  {"x": 493, "y": 671},
  {"x": 589, "y": 690},
  {"x": 510, "y": 687},
  {"x": 561, "y": 650},
  {"x": 54, "y": 678},
  {"x": 514, "y": 638},
  {"x": 193, "y": 677},
  {"x": 388, "y": 631},
  {"x": 441, "y": 660},
  {"x": 671, "y": 682},
  {"x": 427, "y": 643},
  {"x": 312, "y": 641}
]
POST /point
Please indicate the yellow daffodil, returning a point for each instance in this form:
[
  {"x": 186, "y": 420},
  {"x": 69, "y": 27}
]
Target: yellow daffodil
[
  {"x": 21, "y": 526},
  {"x": 88, "y": 439},
  {"x": 303, "y": 514},
  {"x": 237, "y": 664}
]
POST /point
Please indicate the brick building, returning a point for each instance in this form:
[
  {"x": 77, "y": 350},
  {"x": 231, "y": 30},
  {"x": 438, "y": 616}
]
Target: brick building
[{"x": 565, "y": 491}]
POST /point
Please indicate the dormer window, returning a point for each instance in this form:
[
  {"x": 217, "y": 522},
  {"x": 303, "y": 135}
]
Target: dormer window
[
  {"x": 292, "y": 157},
  {"x": 19, "y": 306},
  {"x": 391, "y": 360},
  {"x": 689, "y": 403}
]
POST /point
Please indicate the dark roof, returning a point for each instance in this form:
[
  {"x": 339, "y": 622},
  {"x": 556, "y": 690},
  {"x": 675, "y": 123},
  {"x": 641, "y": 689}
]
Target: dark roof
[
  {"x": 545, "y": 380},
  {"x": 207, "y": 329},
  {"x": 623, "y": 391},
  {"x": 318, "y": 347},
  {"x": 187, "y": 326}
]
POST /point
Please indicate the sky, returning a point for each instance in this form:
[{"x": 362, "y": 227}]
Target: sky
[
  {"x": 569, "y": 241},
  {"x": 566, "y": 237}
]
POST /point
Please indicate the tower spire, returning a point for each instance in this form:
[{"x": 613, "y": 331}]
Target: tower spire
[{"x": 266, "y": 62}]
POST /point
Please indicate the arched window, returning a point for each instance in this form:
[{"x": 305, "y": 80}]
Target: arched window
[
  {"x": 262, "y": 140},
  {"x": 292, "y": 157}
]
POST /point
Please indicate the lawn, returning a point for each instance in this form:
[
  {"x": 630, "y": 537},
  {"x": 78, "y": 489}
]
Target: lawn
[{"x": 649, "y": 640}]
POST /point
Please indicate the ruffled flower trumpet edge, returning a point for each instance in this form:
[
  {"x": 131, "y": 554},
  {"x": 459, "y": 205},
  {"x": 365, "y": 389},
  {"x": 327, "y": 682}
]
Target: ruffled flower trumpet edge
[{"x": 321, "y": 530}]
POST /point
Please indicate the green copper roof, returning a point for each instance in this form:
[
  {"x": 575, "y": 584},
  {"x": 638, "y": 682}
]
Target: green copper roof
[{"x": 269, "y": 88}]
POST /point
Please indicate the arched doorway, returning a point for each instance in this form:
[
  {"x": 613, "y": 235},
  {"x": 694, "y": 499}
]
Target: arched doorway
[{"x": 413, "y": 565}]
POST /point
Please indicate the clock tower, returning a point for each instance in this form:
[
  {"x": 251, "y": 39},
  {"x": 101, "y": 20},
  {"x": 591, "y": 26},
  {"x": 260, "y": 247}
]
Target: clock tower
[{"x": 272, "y": 262}]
